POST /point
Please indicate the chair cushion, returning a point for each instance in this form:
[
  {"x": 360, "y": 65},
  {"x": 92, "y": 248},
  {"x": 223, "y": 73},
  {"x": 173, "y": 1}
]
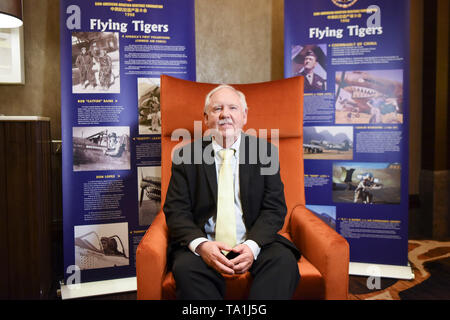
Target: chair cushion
[{"x": 311, "y": 284}]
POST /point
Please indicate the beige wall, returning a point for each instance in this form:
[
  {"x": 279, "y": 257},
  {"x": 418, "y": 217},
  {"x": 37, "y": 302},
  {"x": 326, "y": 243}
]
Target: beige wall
[
  {"x": 236, "y": 42},
  {"x": 239, "y": 41},
  {"x": 41, "y": 93}
]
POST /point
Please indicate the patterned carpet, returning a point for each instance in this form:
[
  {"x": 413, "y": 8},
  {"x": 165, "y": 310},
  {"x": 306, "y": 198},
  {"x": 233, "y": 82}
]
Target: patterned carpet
[{"x": 430, "y": 261}]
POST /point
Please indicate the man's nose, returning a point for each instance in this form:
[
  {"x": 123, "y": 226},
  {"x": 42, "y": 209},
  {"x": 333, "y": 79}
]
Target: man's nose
[{"x": 225, "y": 112}]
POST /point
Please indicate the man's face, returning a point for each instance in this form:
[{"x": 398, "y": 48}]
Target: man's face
[
  {"x": 225, "y": 113},
  {"x": 310, "y": 62},
  {"x": 83, "y": 50}
]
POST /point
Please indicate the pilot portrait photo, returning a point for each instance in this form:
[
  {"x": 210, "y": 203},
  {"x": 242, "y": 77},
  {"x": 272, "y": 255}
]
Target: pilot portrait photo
[{"x": 310, "y": 62}]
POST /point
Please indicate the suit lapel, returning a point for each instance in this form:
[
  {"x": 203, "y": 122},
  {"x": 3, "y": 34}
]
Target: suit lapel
[
  {"x": 244, "y": 173},
  {"x": 210, "y": 171}
]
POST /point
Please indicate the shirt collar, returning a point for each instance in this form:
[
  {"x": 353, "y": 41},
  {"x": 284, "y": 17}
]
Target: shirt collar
[{"x": 235, "y": 146}]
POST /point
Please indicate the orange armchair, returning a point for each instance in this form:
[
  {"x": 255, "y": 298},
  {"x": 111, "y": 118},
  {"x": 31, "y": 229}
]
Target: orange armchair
[{"x": 279, "y": 105}]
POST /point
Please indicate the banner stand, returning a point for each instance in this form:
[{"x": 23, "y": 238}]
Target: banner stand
[
  {"x": 97, "y": 288},
  {"x": 355, "y": 58},
  {"x": 112, "y": 57},
  {"x": 381, "y": 270}
]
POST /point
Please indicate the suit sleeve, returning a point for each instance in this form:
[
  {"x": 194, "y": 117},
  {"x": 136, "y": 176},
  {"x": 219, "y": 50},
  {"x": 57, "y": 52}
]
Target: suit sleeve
[
  {"x": 178, "y": 208},
  {"x": 273, "y": 206}
]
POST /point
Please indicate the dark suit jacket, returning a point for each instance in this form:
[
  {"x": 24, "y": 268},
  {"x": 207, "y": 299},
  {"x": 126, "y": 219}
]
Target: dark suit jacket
[
  {"x": 318, "y": 84},
  {"x": 192, "y": 194}
]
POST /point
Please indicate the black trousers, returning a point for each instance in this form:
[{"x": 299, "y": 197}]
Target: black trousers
[{"x": 275, "y": 275}]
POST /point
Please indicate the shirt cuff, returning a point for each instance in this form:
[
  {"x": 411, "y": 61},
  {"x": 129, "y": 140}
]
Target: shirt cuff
[
  {"x": 254, "y": 247},
  {"x": 194, "y": 244}
]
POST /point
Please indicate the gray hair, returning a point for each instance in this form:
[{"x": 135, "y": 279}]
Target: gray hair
[{"x": 223, "y": 86}]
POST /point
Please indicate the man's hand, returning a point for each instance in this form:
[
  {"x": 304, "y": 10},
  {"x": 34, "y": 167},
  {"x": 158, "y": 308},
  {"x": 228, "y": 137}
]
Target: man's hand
[
  {"x": 211, "y": 253},
  {"x": 244, "y": 260}
]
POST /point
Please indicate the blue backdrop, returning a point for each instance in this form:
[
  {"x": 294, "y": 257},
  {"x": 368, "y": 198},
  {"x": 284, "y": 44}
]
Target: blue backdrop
[
  {"x": 112, "y": 54},
  {"x": 356, "y": 112}
]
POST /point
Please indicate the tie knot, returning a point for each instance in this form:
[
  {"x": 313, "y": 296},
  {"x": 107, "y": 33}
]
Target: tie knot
[{"x": 226, "y": 154}]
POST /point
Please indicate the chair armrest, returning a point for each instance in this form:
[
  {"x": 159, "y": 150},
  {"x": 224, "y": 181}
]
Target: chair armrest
[
  {"x": 324, "y": 248},
  {"x": 151, "y": 259}
]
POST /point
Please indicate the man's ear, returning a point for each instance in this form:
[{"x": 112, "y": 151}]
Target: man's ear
[
  {"x": 205, "y": 118},
  {"x": 245, "y": 116}
]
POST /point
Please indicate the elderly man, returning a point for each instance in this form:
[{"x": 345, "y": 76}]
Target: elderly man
[{"x": 223, "y": 215}]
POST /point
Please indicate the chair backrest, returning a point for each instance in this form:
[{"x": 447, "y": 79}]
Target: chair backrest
[{"x": 272, "y": 105}]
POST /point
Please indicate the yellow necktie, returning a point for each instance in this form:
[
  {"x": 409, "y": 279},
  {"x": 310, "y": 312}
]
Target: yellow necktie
[{"x": 226, "y": 219}]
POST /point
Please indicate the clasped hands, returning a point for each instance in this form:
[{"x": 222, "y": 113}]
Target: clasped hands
[{"x": 211, "y": 253}]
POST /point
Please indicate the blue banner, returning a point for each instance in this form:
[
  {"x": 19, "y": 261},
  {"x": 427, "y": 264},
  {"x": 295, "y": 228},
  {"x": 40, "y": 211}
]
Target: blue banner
[
  {"x": 354, "y": 55},
  {"x": 112, "y": 55}
]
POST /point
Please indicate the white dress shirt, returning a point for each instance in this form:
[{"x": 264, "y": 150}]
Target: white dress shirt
[
  {"x": 309, "y": 77},
  {"x": 241, "y": 231}
]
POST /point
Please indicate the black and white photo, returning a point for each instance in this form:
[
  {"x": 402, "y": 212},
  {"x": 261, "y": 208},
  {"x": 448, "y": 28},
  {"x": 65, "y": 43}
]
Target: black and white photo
[
  {"x": 101, "y": 245},
  {"x": 148, "y": 106},
  {"x": 101, "y": 148},
  {"x": 149, "y": 190},
  {"x": 95, "y": 62}
]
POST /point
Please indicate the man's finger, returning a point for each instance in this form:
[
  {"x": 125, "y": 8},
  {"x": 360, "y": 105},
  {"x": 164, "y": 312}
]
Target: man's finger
[
  {"x": 239, "y": 248},
  {"x": 239, "y": 259},
  {"x": 242, "y": 267},
  {"x": 223, "y": 246},
  {"x": 223, "y": 268},
  {"x": 224, "y": 260},
  {"x": 244, "y": 260}
]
